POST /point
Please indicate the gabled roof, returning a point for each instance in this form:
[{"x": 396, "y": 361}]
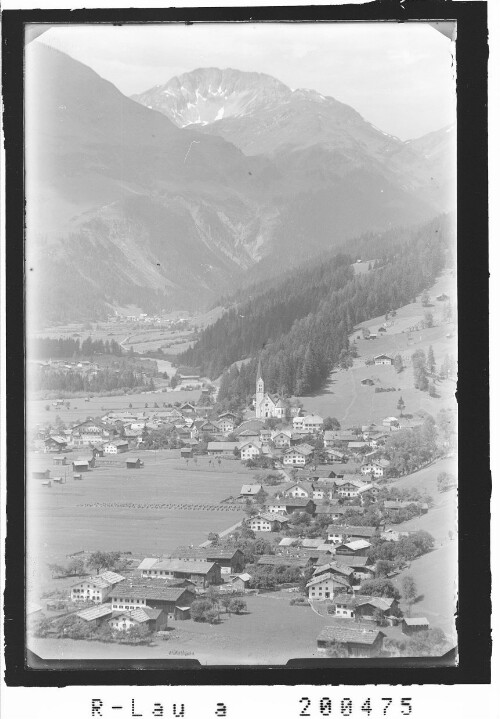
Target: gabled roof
[
  {"x": 351, "y": 531},
  {"x": 148, "y": 590},
  {"x": 147, "y": 563},
  {"x": 289, "y": 502},
  {"x": 357, "y": 544},
  {"x": 102, "y": 610},
  {"x": 277, "y": 559},
  {"x": 251, "y": 489},
  {"x": 271, "y": 517},
  {"x": 222, "y": 446},
  {"x": 245, "y": 577},
  {"x": 416, "y": 621},
  {"x": 180, "y": 565},
  {"x": 329, "y": 575},
  {"x": 345, "y": 635},
  {"x": 351, "y": 561},
  {"x": 111, "y": 577},
  {"x": 313, "y": 543},
  {"x": 335, "y": 567}
]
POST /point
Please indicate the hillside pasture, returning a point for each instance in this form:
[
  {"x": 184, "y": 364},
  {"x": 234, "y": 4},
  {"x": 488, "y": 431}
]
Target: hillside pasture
[{"x": 352, "y": 403}]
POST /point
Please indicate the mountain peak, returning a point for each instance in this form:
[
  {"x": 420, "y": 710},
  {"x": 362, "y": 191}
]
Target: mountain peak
[{"x": 205, "y": 95}]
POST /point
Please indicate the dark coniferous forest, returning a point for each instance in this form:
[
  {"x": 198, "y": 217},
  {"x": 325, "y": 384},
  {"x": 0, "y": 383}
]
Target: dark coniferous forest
[{"x": 300, "y": 327}]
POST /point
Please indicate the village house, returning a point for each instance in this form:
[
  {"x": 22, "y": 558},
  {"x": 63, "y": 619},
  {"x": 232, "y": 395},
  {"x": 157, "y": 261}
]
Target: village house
[
  {"x": 296, "y": 456},
  {"x": 359, "y": 642},
  {"x": 134, "y": 594},
  {"x": 312, "y": 423},
  {"x": 376, "y": 468},
  {"x": 298, "y": 489},
  {"x": 334, "y": 455},
  {"x": 326, "y": 585},
  {"x": 275, "y": 560},
  {"x": 336, "y": 568},
  {"x": 281, "y": 439},
  {"x": 91, "y": 432},
  {"x": 338, "y": 533},
  {"x": 350, "y": 488},
  {"x": 288, "y": 505},
  {"x": 155, "y": 620},
  {"x": 383, "y": 359},
  {"x": 186, "y": 452},
  {"x": 363, "y": 607},
  {"x": 209, "y": 427},
  {"x": 116, "y": 447},
  {"x": 335, "y": 511},
  {"x": 357, "y": 547},
  {"x": 362, "y": 570},
  {"x": 201, "y": 573},
  {"x": 45, "y": 474},
  {"x": 95, "y": 589},
  {"x": 60, "y": 461},
  {"x": 268, "y": 522},
  {"x": 249, "y": 450},
  {"x": 222, "y": 449},
  {"x": 226, "y": 425}
]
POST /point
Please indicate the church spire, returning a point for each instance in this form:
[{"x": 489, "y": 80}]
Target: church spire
[{"x": 259, "y": 371}]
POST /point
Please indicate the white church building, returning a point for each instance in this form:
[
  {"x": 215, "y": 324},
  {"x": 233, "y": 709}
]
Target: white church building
[{"x": 265, "y": 405}]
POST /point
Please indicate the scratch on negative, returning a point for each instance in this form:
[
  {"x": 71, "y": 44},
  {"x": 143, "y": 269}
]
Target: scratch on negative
[{"x": 190, "y": 146}]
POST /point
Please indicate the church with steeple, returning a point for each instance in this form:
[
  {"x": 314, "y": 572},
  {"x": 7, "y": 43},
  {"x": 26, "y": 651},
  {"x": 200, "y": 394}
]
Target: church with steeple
[{"x": 265, "y": 405}]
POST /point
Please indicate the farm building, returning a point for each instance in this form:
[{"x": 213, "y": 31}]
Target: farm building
[
  {"x": 60, "y": 460},
  {"x": 376, "y": 468},
  {"x": 151, "y": 593},
  {"x": 298, "y": 489},
  {"x": 367, "y": 382},
  {"x": 268, "y": 522},
  {"x": 358, "y": 642},
  {"x": 134, "y": 463},
  {"x": 241, "y": 581},
  {"x": 55, "y": 444},
  {"x": 333, "y": 567},
  {"x": 186, "y": 452},
  {"x": 81, "y": 465},
  {"x": 222, "y": 449},
  {"x": 116, "y": 447},
  {"x": 411, "y": 625},
  {"x": 361, "y": 606},
  {"x": 250, "y": 490},
  {"x": 288, "y": 505},
  {"x": 391, "y": 422},
  {"x": 336, "y": 533},
  {"x": 230, "y": 560},
  {"x": 155, "y": 620},
  {"x": 281, "y": 439},
  {"x": 95, "y": 615},
  {"x": 200, "y": 572},
  {"x": 358, "y": 547}
]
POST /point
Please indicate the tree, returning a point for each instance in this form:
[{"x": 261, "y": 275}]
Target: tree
[
  {"x": 226, "y": 600},
  {"x": 380, "y": 588},
  {"x": 398, "y": 363},
  {"x": 237, "y": 606},
  {"x": 431, "y": 361},
  {"x": 76, "y": 566},
  {"x": 102, "y": 560},
  {"x": 428, "y": 319},
  {"x": 401, "y": 405},
  {"x": 212, "y": 615},
  {"x": 214, "y": 539},
  {"x": 383, "y": 568},
  {"x": 199, "y": 609},
  {"x": 445, "y": 481},
  {"x": 425, "y": 298},
  {"x": 331, "y": 423},
  {"x": 409, "y": 591}
]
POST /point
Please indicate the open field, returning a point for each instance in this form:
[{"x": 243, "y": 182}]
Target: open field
[
  {"x": 270, "y": 633},
  {"x": 60, "y": 523},
  {"x": 345, "y": 398}
]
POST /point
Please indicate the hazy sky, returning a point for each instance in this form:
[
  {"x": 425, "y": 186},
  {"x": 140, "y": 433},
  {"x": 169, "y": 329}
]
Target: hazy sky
[{"x": 400, "y": 77}]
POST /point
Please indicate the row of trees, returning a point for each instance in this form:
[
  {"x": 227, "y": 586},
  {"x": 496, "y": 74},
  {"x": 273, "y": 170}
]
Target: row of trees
[
  {"x": 103, "y": 381},
  {"x": 95, "y": 563},
  {"x": 68, "y": 348}
]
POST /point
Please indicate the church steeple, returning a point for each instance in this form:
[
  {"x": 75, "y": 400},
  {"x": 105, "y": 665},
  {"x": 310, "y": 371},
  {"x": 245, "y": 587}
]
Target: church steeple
[{"x": 259, "y": 390}]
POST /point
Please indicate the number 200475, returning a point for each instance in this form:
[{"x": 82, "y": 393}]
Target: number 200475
[{"x": 346, "y": 707}]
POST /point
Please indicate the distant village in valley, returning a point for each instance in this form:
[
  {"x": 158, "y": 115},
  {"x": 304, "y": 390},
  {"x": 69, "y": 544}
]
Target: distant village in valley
[{"x": 328, "y": 522}]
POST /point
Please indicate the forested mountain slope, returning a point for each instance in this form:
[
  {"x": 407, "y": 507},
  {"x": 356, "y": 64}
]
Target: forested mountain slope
[{"x": 300, "y": 328}]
